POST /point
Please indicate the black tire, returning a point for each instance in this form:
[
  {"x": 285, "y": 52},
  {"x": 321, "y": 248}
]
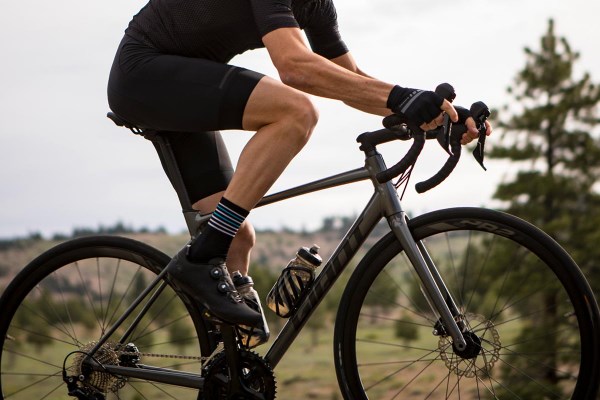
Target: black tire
[
  {"x": 67, "y": 297},
  {"x": 525, "y": 300}
]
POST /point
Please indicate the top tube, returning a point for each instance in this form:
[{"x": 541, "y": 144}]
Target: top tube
[{"x": 344, "y": 178}]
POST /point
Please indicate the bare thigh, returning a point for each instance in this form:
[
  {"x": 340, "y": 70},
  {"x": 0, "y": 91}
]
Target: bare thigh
[{"x": 272, "y": 101}]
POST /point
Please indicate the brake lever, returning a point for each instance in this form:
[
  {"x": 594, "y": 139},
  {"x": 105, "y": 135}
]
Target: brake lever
[
  {"x": 478, "y": 151},
  {"x": 447, "y": 92},
  {"x": 443, "y": 137},
  {"x": 480, "y": 113}
]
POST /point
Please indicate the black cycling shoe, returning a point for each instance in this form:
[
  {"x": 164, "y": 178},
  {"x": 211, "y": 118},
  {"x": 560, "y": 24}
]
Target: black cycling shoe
[{"x": 210, "y": 284}]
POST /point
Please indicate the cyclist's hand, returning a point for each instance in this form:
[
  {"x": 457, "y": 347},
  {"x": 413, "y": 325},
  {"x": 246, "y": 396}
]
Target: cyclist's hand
[
  {"x": 423, "y": 107},
  {"x": 472, "y": 133}
]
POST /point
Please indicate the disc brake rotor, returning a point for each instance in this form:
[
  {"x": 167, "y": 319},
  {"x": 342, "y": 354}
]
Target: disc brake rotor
[{"x": 485, "y": 351}]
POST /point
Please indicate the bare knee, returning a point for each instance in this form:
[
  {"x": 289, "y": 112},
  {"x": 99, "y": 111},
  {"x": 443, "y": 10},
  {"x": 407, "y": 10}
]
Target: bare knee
[
  {"x": 305, "y": 112},
  {"x": 275, "y": 104},
  {"x": 301, "y": 118}
]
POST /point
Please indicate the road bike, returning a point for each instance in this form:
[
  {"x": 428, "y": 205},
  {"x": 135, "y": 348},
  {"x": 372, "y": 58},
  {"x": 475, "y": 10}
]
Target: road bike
[{"x": 460, "y": 303}]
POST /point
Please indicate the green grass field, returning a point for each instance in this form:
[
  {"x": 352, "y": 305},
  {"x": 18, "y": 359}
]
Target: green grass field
[{"x": 388, "y": 361}]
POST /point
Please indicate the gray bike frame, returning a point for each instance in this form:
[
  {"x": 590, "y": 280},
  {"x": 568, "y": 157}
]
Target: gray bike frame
[{"x": 385, "y": 203}]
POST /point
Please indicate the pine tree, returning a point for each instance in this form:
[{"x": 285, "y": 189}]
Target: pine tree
[{"x": 549, "y": 135}]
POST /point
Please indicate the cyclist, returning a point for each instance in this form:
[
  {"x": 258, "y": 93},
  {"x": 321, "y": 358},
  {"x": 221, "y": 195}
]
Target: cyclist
[{"x": 172, "y": 73}]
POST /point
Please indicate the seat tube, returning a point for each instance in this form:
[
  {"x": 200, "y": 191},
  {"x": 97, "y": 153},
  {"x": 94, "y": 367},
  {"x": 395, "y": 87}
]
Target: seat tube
[{"x": 398, "y": 224}]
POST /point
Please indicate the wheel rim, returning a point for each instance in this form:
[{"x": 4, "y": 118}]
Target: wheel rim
[{"x": 79, "y": 298}]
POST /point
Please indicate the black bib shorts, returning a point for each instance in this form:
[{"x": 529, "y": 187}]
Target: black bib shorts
[{"x": 191, "y": 99}]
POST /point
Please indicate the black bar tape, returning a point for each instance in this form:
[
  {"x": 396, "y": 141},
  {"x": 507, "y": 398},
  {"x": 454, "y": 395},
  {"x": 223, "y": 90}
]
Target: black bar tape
[
  {"x": 449, "y": 165},
  {"x": 409, "y": 159}
]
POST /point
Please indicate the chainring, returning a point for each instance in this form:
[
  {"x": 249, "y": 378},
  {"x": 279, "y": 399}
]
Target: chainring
[{"x": 256, "y": 375}]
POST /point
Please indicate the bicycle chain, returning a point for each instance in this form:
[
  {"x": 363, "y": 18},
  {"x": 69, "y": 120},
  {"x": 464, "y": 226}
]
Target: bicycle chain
[
  {"x": 203, "y": 360},
  {"x": 156, "y": 355},
  {"x": 108, "y": 354}
]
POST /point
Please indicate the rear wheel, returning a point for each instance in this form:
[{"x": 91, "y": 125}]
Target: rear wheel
[
  {"x": 532, "y": 319},
  {"x": 60, "y": 305}
]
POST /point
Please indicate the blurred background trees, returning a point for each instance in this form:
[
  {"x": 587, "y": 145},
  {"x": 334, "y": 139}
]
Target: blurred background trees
[{"x": 549, "y": 130}]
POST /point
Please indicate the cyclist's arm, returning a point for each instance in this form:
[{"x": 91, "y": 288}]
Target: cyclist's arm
[
  {"x": 348, "y": 62},
  {"x": 304, "y": 70}
]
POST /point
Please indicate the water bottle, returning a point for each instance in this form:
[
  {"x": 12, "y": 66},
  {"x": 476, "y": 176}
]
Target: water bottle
[
  {"x": 299, "y": 274},
  {"x": 250, "y": 336}
]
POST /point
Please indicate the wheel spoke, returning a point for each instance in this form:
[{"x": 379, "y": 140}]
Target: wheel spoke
[{"x": 70, "y": 298}]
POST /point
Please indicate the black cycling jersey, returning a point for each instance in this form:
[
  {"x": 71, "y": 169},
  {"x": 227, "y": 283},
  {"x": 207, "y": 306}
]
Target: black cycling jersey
[{"x": 219, "y": 29}]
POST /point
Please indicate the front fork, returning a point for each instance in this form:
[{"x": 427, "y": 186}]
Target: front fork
[{"x": 434, "y": 287}]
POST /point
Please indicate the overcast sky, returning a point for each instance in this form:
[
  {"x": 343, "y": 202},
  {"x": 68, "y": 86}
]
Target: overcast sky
[{"x": 64, "y": 165}]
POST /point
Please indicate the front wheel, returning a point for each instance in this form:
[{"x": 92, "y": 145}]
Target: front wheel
[
  {"x": 57, "y": 308},
  {"x": 532, "y": 321}
]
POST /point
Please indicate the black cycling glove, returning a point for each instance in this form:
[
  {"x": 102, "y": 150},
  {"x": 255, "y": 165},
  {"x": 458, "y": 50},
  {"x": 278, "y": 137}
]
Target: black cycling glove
[
  {"x": 463, "y": 114},
  {"x": 419, "y": 106}
]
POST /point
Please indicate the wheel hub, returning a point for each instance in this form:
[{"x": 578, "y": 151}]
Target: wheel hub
[
  {"x": 108, "y": 354},
  {"x": 473, "y": 346},
  {"x": 481, "y": 353}
]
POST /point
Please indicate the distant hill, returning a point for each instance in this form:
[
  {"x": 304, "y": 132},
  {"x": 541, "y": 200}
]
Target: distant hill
[{"x": 273, "y": 249}]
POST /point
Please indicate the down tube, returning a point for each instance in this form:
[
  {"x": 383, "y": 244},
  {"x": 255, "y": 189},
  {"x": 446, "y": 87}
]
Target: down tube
[{"x": 332, "y": 270}]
